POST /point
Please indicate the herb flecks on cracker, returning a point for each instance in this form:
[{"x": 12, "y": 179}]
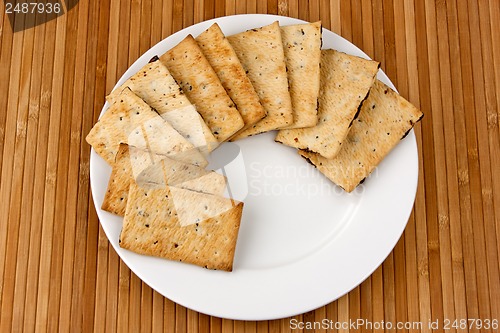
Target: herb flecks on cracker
[{"x": 385, "y": 117}]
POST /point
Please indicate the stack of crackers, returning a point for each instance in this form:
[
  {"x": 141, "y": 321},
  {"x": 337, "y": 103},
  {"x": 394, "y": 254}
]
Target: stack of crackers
[{"x": 164, "y": 121}]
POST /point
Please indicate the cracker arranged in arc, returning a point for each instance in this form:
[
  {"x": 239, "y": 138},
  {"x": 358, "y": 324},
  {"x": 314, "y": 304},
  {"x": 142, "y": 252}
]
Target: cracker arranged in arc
[
  {"x": 302, "y": 47},
  {"x": 130, "y": 120},
  {"x": 151, "y": 226},
  {"x": 260, "y": 51},
  {"x": 223, "y": 59},
  {"x": 385, "y": 119},
  {"x": 345, "y": 83},
  {"x": 200, "y": 83},
  {"x": 148, "y": 169},
  {"x": 157, "y": 87}
]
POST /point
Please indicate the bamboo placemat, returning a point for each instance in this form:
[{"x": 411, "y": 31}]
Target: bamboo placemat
[{"x": 57, "y": 270}]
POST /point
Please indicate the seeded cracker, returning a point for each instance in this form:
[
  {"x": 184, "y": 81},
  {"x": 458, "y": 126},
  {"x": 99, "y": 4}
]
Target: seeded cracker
[
  {"x": 221, "y": 56},
  {"x": 130, "y": 120},
  {"x": 149, "y": 169},
  {"x": 385, "y": 119},
  {"x": 209, "y": 243},
  {"x": 156, "y": 86},
  {"x": 345, "y": 83},
  {"x": 261, "y": 53},
  {"x": 200, "y": 83},
  {"x": 302, "y": 47}
]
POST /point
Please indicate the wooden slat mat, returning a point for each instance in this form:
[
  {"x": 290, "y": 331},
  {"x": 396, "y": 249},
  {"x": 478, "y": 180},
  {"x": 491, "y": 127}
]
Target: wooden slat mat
[{"x": 57, "y": 269}]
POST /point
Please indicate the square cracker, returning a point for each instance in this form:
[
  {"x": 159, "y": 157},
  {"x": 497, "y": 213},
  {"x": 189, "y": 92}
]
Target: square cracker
[
  {"x": 385, "y": 119},
  {"x": 345, "y": 83},
  {"x": 130, "y": 120},
  {"x": 157, "y": 87},
  {"x": 221, "y": 56},
  {"x": 302, "y": 47},
  {"x": 137, "y": 165},
  {"x": 200, "y": 83},
  {"x": 152, "y": 226},
  {"x": 261, "y": 53}
]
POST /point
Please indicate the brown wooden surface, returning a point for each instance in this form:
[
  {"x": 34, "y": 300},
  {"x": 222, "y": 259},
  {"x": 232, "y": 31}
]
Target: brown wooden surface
[{"x": 57, "y": 269}]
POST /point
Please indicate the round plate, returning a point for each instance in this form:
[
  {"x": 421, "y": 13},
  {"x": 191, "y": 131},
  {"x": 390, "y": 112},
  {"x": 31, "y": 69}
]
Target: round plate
[{"x": 303, "y": 241}]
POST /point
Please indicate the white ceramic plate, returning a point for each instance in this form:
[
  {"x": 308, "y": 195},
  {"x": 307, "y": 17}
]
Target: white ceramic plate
[{"x": 303, "y": 242}]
